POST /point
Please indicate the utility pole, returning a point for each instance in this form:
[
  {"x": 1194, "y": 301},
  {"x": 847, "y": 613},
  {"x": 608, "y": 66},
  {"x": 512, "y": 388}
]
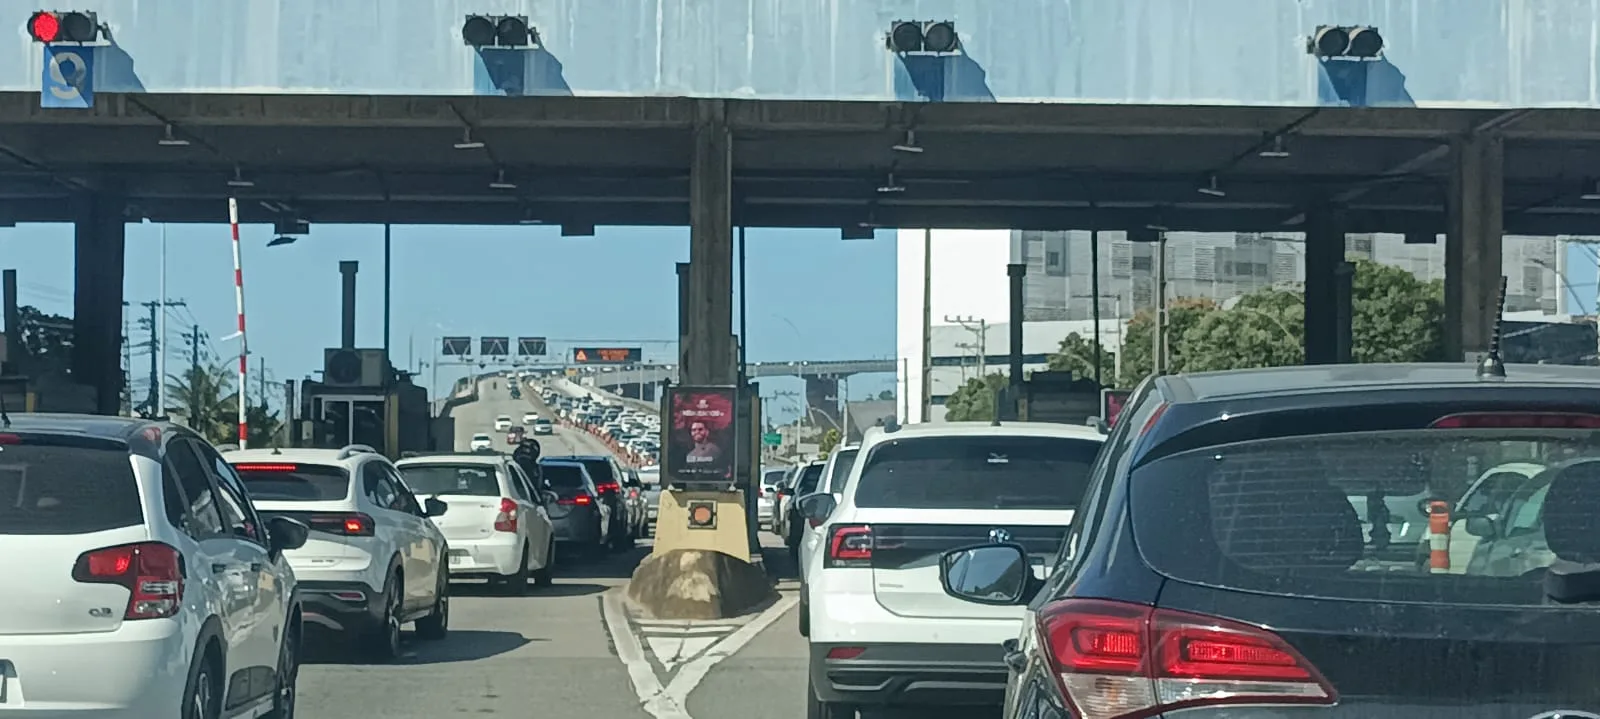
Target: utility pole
[
  {"x": 127, "y": 362},
  {"x": 194, "y": 336},
  {"x": 926, "y": 407},
  {"x": 979, "y": 327},
  {"x": 154, "y": 397},
  {"x": 1158, "y": 347}
]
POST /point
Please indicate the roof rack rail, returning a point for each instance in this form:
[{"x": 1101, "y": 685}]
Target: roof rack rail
[{"x": 355, "y": 449}]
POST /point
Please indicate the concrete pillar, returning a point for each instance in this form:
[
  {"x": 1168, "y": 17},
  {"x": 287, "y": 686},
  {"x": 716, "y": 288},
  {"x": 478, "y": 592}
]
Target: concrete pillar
[
  {"x": 1475, "y": 209},
  {"x": 1327, "y": 316},
  {"x": 97, "y": 297},
  {"x": 709, "y": 352}
]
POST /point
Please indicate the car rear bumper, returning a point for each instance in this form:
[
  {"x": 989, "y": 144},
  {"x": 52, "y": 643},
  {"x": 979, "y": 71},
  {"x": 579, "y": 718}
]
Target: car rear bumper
[
  {"x": 134, "y": 672},
  {"x": 495, "y": 555},
  {"x": 340, "y": 606},
  {"x": 577, "y": 528},
  {"x": 909, "y": 674}
]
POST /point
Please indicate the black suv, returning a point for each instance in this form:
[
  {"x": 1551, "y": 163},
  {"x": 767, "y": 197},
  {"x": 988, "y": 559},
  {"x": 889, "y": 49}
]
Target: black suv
[{"x": 1248, "y": 542}]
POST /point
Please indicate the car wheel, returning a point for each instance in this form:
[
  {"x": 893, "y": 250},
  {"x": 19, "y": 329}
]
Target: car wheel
[
  {"x": 436, "y": 625},
  {"x": 203, "y": 700},
  {"x": 283, "y": 697},
  {"x": 621, "y": 538},
  {"x": 805, "y": 619},
  {"x": 543, "y": 577},
  {"x": 383, "y": 642},
  {"x": 517, "y": 584},
  {"x": 818, "y": 709}
]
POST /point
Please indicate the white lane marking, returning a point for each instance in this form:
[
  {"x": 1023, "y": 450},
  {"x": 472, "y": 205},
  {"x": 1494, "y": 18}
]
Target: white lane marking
[
  {"x": 695, "y": 671},
  {"x": 652, "y": 697}
]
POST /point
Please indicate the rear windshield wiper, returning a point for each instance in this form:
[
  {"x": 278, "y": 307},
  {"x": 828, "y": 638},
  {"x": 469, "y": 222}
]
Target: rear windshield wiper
[{"x": 1572, "y": 583}]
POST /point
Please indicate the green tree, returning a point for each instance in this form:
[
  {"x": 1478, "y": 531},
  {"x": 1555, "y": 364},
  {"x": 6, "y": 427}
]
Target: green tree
[
  {"x": 1266, "y": 328},
  {"x": 886, "y": 395},
  {"x": 1076, "y": 354},
  {"x": 830, "y": 439},
  {"x": 46, "y": 338},
  {"x": 974, "y": 401},
  {"x": 206, "y": 395},
  {"x": 266, "y": 430},
  {"x": 1395, "y": 317},
  {"x": 1182, "y": 314}
]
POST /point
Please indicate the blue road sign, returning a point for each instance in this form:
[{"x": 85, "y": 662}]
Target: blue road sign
[{"x": 68, "y": 80}]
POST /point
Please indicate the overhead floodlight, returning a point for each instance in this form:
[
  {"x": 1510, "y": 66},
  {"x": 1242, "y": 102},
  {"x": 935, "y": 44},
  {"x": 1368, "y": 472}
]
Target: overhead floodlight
[
  {"x": 171, "y": 140},
  {"x": 55, "y": 26},
  {"x": 478, "y": 31},
  {"x": 937, "y": 37},
  {"x": 513, "y": 31},
  {"x": 239, "y": 179},
  {"x": 1592, "y": 194},
  {"x": 467, "y": 143},
  {"x": 1212, "y": 188},
  {"x": 1362, "y": 42},
  {"x": 1277, "y": 151},
  {"x": 500, "y": 182}
]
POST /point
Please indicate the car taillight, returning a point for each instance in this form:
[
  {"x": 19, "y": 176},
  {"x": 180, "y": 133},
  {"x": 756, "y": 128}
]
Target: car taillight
[
  {"x": 1518, "y": 420},
  {"x": 1116, "y": 660},
  {"x": 607, "y": 487},
  {"x": 506, "y": 520},
  {"x": 152, "y": 572},
  {"x": 849, "y": 545},
  {"x": 580, "y": 500},
  {"x": 349, "y": 525},
  {"x": 266, "y": 467}
]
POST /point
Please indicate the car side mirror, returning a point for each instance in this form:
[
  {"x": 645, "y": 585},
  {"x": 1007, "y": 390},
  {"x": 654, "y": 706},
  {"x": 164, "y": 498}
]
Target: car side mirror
[
  {"x": 284, "y": 534},
  {"x": 992, "y": 574},
  {"x": 550, "y": 497},
  {"x": 816, "y": 507},
  {"x": 1481, "y": 526},
  {"x": 434, "y": 507}
]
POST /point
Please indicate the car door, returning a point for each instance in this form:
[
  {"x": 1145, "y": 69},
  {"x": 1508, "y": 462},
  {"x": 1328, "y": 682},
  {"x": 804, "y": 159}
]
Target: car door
[
  {"x": 538, "y": 524},
  {"x": 430, "y": 543},
  {"x": 406, "y": 533},
  {"x": 223, "y": 567},
  {"x": 271, "y": 593}
]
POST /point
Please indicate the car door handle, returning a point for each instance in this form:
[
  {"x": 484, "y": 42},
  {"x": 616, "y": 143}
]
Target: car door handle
[{"x": 1014, "y": 659}]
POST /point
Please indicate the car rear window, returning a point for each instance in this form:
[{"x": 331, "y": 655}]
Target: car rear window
[
  {"x": 471, "y": 480},
  {"x": 599, "y": 470},
  {"x": 846, "y": 458},
  {"x": 284, "y": 482},
  {"x": 1346, "y": 515},
  {"x": 977, "y": 472},
  {"x": 563, "y": 476},
  {"x": 66, "y": 486}
]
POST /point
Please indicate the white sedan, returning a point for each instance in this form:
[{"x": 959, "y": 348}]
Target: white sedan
[
  {"x": 481, "y": 441},
  {"x": 502, "y": 423},
  {"x": 528, "y": 418}
]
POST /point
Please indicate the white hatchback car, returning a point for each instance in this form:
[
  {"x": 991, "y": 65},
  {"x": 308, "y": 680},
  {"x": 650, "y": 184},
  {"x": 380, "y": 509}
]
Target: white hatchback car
[
  {"x": 502, "y": 423},
  {"x": 498, "y": 525},
  {"x": 374, "y": 561},
  {"x": 139, "y": 580},
  {"x": 528, "y": 418},
  {"x": 883, "y": 632},
  {"x": 480, "y": 442}
]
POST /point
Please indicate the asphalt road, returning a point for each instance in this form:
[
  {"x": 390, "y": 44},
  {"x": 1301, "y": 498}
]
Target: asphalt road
[{"x": 555, "y": 652}]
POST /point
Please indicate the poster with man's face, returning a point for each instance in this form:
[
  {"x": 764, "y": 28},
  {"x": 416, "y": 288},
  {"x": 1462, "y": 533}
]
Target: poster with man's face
[{"x": 700, "y": 434}]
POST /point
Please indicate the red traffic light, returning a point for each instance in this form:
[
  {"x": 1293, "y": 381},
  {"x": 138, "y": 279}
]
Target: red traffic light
[
  {"x": 52, "y": 26},
  {"x": 44, "y": 26}
]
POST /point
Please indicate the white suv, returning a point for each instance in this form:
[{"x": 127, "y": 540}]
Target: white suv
[
  {"x": 834, "y": 474},
  {"x": 374, "y": 561},
  {"x": 139, "y": 581},
  {"x": 883, "y": 633},
  {"x": 498, "y": 525}
]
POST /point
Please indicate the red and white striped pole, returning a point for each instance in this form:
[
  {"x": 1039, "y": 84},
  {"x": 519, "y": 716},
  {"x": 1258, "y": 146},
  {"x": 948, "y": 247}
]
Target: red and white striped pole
[{"x": 238, "y": 301}]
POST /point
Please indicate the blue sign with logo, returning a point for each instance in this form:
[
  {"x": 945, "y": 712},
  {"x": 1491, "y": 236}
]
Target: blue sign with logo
[{"x": 68, "y": 81}]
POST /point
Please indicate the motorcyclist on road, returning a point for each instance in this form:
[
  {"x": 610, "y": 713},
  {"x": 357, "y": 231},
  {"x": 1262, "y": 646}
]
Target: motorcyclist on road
[{"x": 526, "y": 455}]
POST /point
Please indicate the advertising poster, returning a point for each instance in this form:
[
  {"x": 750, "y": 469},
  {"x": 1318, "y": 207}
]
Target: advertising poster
[{"x": 701, "y": 435}]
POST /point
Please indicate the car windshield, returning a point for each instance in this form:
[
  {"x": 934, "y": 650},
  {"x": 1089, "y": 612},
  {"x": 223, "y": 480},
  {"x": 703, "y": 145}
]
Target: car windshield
[
  {"x": 285, "y": 482},
  {"x": 472, "y": 480},
  {"x": 1346, "y": 515},
  {"x": 976, "y": 472},
  {"x": 66, "y": 485},
  {"x": 599, "y": 470}
]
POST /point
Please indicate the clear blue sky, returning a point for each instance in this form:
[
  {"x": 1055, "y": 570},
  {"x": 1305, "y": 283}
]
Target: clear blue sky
[{"x": 812, "y": 295}]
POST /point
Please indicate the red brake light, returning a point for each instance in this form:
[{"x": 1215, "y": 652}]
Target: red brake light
[
  {"x": 506, "y": 520},
  {"x": 266, "y": 467},
  {"x": 152, "y": 572},
  {"x": 1518, "y": 420},
  {"x": 44, "y": 26},
  {"x": 349, "y": 525},
  {"x": 608, "y": 487},
  {"x": 580, "y": 500},
  {"x": 849, "y": 545},
  {"x": 1116, "y": 660}
]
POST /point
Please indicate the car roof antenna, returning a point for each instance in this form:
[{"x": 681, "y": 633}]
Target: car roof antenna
[{"x": 1491, "y": 365}]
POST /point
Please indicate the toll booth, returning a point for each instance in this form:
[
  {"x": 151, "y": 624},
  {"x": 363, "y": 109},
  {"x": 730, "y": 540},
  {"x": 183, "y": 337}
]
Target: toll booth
[{"x": 362, "y": 400}]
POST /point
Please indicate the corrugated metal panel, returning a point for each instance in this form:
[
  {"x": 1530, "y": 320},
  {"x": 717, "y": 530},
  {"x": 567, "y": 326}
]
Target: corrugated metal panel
[{"x": 1491, "y": 52}]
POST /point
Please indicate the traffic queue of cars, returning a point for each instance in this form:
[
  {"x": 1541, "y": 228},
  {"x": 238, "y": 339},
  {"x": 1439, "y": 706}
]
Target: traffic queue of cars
[
  {"x": 1390, "y": 539},
  {"x": 150, "y": 574}
]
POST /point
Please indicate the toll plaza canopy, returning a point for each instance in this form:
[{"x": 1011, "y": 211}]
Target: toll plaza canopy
[{"x": 626, "y": 161}]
